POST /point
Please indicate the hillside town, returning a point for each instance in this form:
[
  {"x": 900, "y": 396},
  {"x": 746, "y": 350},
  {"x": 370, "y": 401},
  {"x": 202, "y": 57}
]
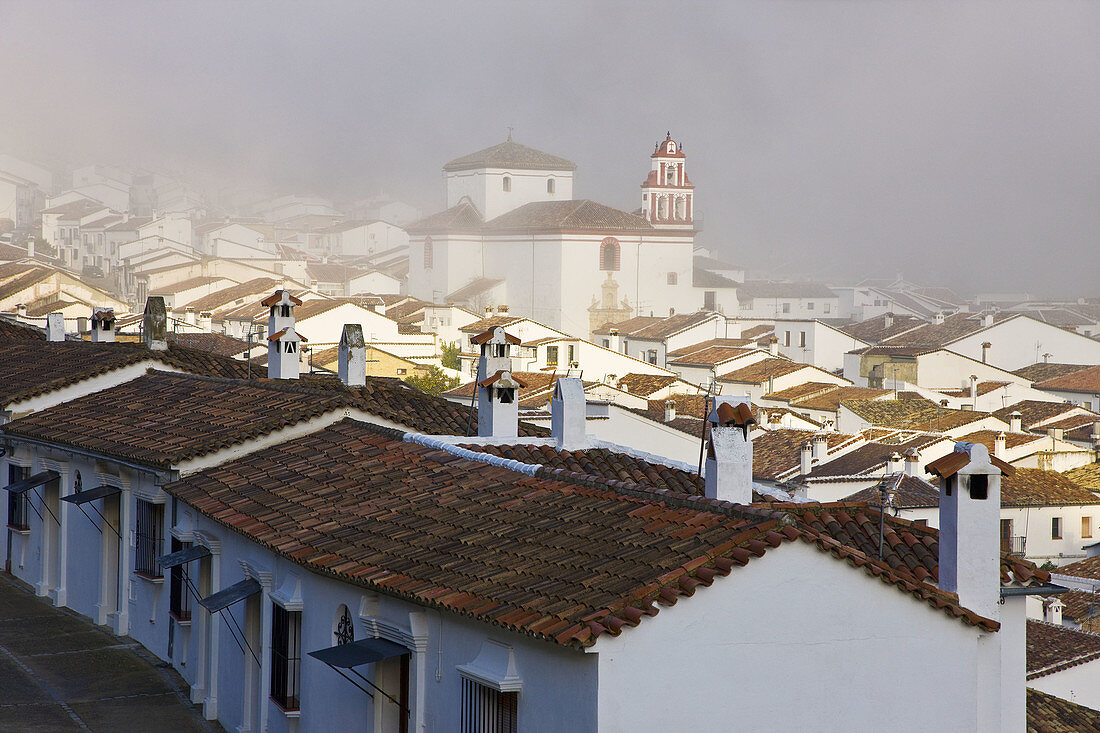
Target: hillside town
[{"x": 532, "y": 462}]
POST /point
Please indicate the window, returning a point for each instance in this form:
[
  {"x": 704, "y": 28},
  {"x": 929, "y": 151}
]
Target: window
[
  {"x": 606, "y": 343},
  {"x": 507, "y": 395},
  {"x": 429, "y": 253},
  {"x": 809, "y": 305},
  {"x": 402, "y": 371},
  {"x": 286, "y": 656},
  {"x": 485, "y": 710},
  {"x": 802, "y": 339},
  {"x": 651, "y": 356},
  {"x": 286, "y": 311},
  {"x": 549, "y": 185},
  {"x": 572, "y": 354},
  {"x": 1086, "y": 528},
  {"x": 979, "y": 486},
  {"x": 671, "y": 278},
  {"x": 609, "y": 254},
  {"x": 507, "y": 184},
  {"x": 828, "y": 307},
  {"x": 710, "y": 300},
  {"x": 786, "y": 338},
  {"x": 17, "y": 503},
  {"x": 786, "y": 307},
  {"x": 1056, "y": 528},
  {"x": 551, "y": 356},
  {"x": 150, "y": 538},
  {"x": 289, "y": 347},
  {"x": 179, "y": 600}
]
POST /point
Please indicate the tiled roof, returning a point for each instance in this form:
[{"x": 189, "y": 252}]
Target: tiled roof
[
  {"x": 332, "y": 273},
  {"x": 710, "y": 343},
  {"x": 463, "y": 216},
  {"x": 34, "y": 367},
  {"x": 775, "y": 452},
  {"x": 988, "y": 438},
  {"x": 559, "y": 556},
  {"x": 831, "y": 400},
  {"x": 1087, "y": 476},
  {"x": 701, "y": 278},
  {"x": 1042, "y": 371},
  {"x": 689, "y": 413},
  {"x": 404, "y": 309},
  {"x": 911, "y": 492},
  {"x": 44, "y": 307},
  {"x": 215, "y": 343},
  {"x": 163, "y": 418},
  {"x": 576, "y": 214},
  {"x": 711, "y": 356},
  {"x": 1052, "y": 648},
  {"x": 763, "y": 370},
  {"x": 512, "y": 155},
  {"x": 249, "y": 290},
  {"x": 656, "y": 327},
  {"x": 75, "y": 209},
  {"x": 982, "y": 388},
  {"x": 1049, "y": 714},
  {"x": 954, "y": 327},
  {"x": 532, "y": 381},
  {"x": 1080, "y": 605},
  {"x": 1036, "y": 487},
  {"x": 491, "y": 322},
  {"x": 912, "y": 414},
  {"x": 189, "y": 284},
  {"x": 757, "y": 331},
  {"x": 11, "y": 330},
  {"x": 1033, "y": 411},
  {"x": 1087, "y": 568},
  {"x": 874, "y": 330},
  {"x": 711, "y": 263},
  {"x": 29, "y": 277},
  {"x": 1085, "y": 380},
  {"x": 868, "y": 458},
  {"x": 801, "y": 391},
  {"x": 752, "y": 289},
  {"x": 644, "y": 385}
]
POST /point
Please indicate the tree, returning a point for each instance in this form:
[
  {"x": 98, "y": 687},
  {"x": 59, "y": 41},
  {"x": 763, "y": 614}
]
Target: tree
[
  {"x": 449, "y": 357},
  {"x": 434, "y": 381}
]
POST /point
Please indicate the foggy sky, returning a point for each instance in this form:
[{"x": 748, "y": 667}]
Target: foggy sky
[{"x": 954, "y": 143}]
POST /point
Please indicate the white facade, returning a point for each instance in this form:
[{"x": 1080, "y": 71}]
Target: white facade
[
  {"x": 814, "y": 342},
  {"x": 495, "y": 191},
  {"x": 1020, "y": 341}
]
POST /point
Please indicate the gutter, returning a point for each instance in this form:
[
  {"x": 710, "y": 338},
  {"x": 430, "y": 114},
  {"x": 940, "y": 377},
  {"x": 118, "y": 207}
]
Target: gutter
[
  {"x": 1046, "y": 589},
  {"x": 162, "y": 475}
]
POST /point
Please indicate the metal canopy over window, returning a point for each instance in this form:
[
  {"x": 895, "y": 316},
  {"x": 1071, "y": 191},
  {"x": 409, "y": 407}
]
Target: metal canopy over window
[
  {"x": 228, "y": 596},
  {"x": 99, "y": 492},
  {"x": 186, "y": 555},
  {"x": 25, "y": 485},
  {"x": 364, "y": 651}
]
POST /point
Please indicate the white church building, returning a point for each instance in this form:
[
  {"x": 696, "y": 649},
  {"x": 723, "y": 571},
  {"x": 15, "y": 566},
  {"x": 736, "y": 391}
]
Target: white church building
[{"x": 514, "y": 235}]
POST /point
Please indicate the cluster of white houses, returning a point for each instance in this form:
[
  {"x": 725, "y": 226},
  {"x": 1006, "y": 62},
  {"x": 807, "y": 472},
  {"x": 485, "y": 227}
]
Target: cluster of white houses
[{"x": 350, "y": 554}]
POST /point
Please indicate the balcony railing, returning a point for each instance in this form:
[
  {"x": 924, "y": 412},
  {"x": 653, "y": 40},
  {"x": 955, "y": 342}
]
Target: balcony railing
[{"x": 1013, "y": 545}]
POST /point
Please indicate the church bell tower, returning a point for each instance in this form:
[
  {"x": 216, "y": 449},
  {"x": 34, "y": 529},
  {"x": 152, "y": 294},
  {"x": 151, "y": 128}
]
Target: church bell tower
[{"x": 667, "y": 194}]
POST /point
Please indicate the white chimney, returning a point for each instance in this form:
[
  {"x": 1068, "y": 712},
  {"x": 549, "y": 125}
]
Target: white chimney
[
  {"x": 896, "y": 464},
  {"x": 55, "y": 327},
  {"x": 1055, "y": 607},
  {"x": 938, "y": 318},
  {"x": 987, "y": 319},
  {"x": 806, "y": 456},
  {"x": 154, "y": 324},
  {"x": 189, "y": 316},
  {"x": 283, "y": 343},
  {"x": 970, "y": 513},
  {"x": 1015, "y": 422},
  {"x": 1096, "y": 430},
  {"x": 567, "y": 414},
  {"x": 974, "y": 391},
  {"x": 670, "y": 410},
  {"x": 103, "y": 325},
  {"x": 773, "y": 346},
  {"x": 888, "y": 320},
  {"x": 21, "y": 311},
  {"x": 999, "y": 445},
  {"x": 820, "y": 446},
  {"x": 912, "y": 461},
  {"x": 613, "y": 339},
  {"x": 986, "y": 346},
  {"x": 497, "y": 389},
  {"x": 30, "y": 247},
  {"x": 206, "y": 321},
  {"x": 728, "y": 474},
  {"x": 353, "y": 356}
]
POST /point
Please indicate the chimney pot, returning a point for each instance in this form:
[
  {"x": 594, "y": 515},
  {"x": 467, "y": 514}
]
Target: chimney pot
[
  {"x": 912, "y": 461},
  {"x": 773, "y": 346},
  {"x": 103, "y": 325},
  {"x": 21, "y": 310},
  {"x": 888, "y": 320},
  {"x": 1015, "y": 422},
  {"x": 806, "y": 456},
  {"x": 987, "y": 320},
  {"x": 939, "y": 318},
  {"x": 670, "y": 410},
  {"x": 728, "y": 475},
  {"x": 568, "y": 406},
  {"x": 1055, "y": 607},
  {"x": 895, "y": 464},
  {"x": 820, "y": 446}
]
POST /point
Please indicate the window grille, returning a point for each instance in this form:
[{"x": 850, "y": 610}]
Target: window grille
[
  {"x": 485, "y": 710},
  {"x": 17, "y": 503},
  {"x": 286, "y": 656},
  {"x": 345, "y": 629},
  {"x": 179, "y": 600},
  {"x": 150, "y": 538},
  {"x": 551, "y": 356}
]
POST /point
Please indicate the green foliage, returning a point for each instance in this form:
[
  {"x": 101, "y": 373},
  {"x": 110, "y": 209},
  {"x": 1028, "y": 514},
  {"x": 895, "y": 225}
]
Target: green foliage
[
  {"x": 434, "y": 381},
  {"x": 450, "y": 356}
]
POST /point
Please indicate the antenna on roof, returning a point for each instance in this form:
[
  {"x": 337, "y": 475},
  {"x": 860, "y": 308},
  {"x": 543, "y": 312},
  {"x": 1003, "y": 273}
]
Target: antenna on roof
[
  {"x": 510, "y": 128},
  {"x": 703, "y": 430}
]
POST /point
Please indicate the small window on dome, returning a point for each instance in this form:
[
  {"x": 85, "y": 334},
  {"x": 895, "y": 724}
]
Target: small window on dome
[{"x": 507, "y": 184}]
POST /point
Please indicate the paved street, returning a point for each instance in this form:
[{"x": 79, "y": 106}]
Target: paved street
[{"x": 59, "y": 672}]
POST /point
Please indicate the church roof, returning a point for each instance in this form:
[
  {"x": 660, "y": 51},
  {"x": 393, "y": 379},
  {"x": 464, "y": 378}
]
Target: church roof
[
  {"x": 462, "y": 216},
  {"x": 510, "y": 154},
  {"x": 577, "y": 214}
]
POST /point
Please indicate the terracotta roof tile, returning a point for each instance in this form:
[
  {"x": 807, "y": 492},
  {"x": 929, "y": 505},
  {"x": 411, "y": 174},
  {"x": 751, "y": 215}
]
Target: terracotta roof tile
[
  {"x": 1085, "y": 380},
  {"x": 1080, "y": 605},
  {"x": 732, "y": 343},
  {"x": 1042, "y": 371},
  {"x": 511, "y": 155},
  {"x": 1087, "y": 476},
  {"x": 912, "y": 414},
  {"x": 776, "y": 452},
  {"x": 1033, "y": 411},
  {"x": 1049, "y": 714},
  {"x": 712, "y": 355},
  {"x": 911, "y": 492},
  {"x": 655, "y": 328},
  {"x": 763, "y": 370},
  {"x": 1052, "y": 648},
  {"x": 1036, "y": 487},
  {"x": 644, "y": 385},
  {"x": 570, "y": 215},
  {"x": 1087, "y": 568},
  {"x": 874, "y": 330}
]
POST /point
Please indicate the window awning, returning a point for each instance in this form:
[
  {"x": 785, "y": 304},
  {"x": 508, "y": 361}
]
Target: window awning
[
  {"x": 179, "y": 557},
  {"x": 21, "y": 487},
  {"x": 99, "y": 492},
  {"x": 364, "y": 651},
  {"x": 228, "y": 596}
]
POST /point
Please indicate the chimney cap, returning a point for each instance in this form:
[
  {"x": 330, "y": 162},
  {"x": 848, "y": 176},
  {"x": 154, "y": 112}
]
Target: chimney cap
[
  {"x": 280, "y": 297},
  {"x": 496, "y": 333},
  {"x": 352, "y": 335},
  {"x": 503, "y": 378}
]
